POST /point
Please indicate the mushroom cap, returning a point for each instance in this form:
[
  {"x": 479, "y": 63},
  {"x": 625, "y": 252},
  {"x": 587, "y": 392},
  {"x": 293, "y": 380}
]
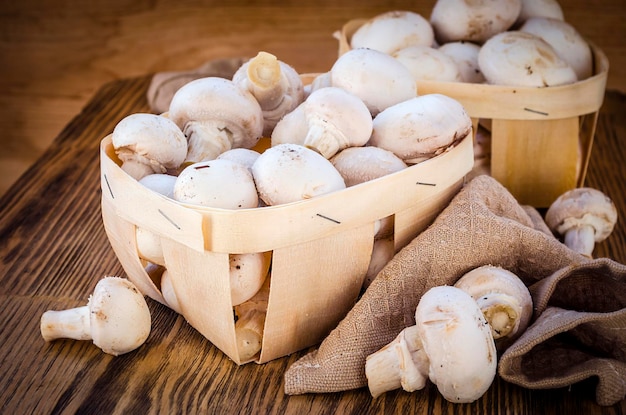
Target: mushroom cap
[
  {"x": 583, "y": 206},
  {"x": 392, "y": 31},
  {"x": 160, "y": 183},
  {"x": 539, "y": 8},
  {"x": 427, "y": 63},
  {"x": 465, "y": 54},
  {"x": 150, "y": 139},
  {"x": 566, "y": 41},
  {"x": 457, "y": 340},
  {"x": 217, "y": 183},
  {"x": 247, "y": 274},
  {"x": 329, "y": 120},
  {"x": 290, "y": 172},
  {"x": 519, "y": 58},
  {"x": 245, "y": 156},
  {"x": 119, "y": 316},
  {"x": 216, "y": 115},
  {"x": 361, "y": 164},
  {"x": 377, "y": 78},
  {"x": 475, "y": 20},
  {"x": 421, "y": 127}
]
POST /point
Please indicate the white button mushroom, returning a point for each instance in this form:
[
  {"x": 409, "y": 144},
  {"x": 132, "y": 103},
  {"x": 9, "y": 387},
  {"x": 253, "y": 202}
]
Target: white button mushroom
[
  {"x": 375, "y": 77},
  {"x": 116, "y": 318},
  {"x": 429, "y": 64},
  {"x": 330, "y": 120},
  {"x": 245, "y": 156},
  {"x": 422, "y": 127},
  {"x": 450, "y": 343},
  {"x": 539, "y": 8},
  {"x": 465, "y": 54},
  {"x": 275, "y": 85},
  {"x": 382, "y": 252},
  {"x": 518, "y": 58},
  {"x": 567, "y": 42},
  {"x": 216, "y": 115},
  {"x": 392, "y": 31},
  {"x": 250, "y": 323},
  {"x": 583, "y": 216},
  {"x": 217, "y": 183},
  {"x": 247, "y": 274},
  {"x": 503, "y": 298},
  {"x": 476, "y": 21},
  {"x": 361, "y": 164},
  {"x": 148, "y": 243},
  {"x": 290, "y": 172},
  {"x": 148, "y": 143}
]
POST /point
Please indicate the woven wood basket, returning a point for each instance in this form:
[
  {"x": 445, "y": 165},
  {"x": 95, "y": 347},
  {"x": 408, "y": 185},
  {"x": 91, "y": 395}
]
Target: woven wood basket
[
  {"x": 541, "y": 138},
  {"x": 320, "y": 248}
]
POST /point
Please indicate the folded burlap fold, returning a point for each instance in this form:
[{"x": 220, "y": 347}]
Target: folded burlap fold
[
  {"x": 483, "y": 224},
  {"x": 163, "y": 85},
  {"x": 579, "y": 332}
]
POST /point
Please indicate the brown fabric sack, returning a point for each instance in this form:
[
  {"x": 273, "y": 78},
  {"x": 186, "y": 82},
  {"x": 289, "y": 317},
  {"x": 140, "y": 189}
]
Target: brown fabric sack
[
  {"x": 163, "y": 85},
  {"x": 483, "y": 225},
  {"x": 579, "y": 332}
]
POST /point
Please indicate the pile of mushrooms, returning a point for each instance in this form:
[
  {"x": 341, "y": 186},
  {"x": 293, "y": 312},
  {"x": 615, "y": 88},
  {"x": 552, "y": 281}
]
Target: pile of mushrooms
[{"x": 509, "y": 42}]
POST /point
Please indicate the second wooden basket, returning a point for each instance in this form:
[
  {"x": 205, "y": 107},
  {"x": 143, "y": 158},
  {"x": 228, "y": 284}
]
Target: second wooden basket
[
  {"x": 320, "y": 248},
  {"x": 541, "y": 138}
]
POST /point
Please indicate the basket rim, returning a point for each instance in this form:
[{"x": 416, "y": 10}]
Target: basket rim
[
  {"x": 230, "y": 231},
  {"x": 514, "y": 102}
]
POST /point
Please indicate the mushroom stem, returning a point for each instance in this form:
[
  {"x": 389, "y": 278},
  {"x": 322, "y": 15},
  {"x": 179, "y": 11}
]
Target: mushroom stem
[
  {"x": 323, "y": 137},
  {"x": 264, "y": 74},
  {"x": 581, "y": 239},
  {"x": 501, "y": 312},
  {"x": 207, "y": 140},
  {"x": 73, "y": 323},
  {"x": 400, "y": 364}
]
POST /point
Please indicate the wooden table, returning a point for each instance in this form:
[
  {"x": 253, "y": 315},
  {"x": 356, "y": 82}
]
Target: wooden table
[{"x": 53, "y": 250}]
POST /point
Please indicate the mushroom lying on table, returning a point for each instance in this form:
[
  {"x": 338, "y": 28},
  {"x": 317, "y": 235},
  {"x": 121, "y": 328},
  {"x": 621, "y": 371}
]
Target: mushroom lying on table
[
  {"x": 583, "y": 216},
  {"x": 450, "y": 344},
  {"x": 116, "y": 318}
]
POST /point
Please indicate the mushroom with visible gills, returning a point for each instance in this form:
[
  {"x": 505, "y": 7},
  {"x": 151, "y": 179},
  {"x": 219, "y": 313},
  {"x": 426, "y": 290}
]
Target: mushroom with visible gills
[
  {"x": 450, "y": 344},
  {"x": 503, "y": 298},
  {"x": 116, "y": 318},
  {"x": 328, "y": 121},
  {"x": 216, "y": 115},
  {"x": 583, "y": 216},
  {"x": 275, "y": 85},
  {"x": 148, "y": 143}
]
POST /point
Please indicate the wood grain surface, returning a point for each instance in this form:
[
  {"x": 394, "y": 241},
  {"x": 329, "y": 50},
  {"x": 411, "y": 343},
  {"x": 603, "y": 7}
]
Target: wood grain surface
[
  {"x": 53, "y": 250},
  {"x": 54, "y": 55}
]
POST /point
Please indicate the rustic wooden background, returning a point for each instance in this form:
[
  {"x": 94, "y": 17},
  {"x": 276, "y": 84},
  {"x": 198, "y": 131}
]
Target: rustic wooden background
[{"x": 54, "y": 55}]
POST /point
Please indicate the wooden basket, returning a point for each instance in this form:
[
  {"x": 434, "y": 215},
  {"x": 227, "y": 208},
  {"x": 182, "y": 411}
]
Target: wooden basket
[
  {"x": 541, "y": 138},
  {"x": 320, "y": 247}
]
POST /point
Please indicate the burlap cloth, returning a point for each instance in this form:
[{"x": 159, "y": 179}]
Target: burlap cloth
[{"x": 579, "y": 327}]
